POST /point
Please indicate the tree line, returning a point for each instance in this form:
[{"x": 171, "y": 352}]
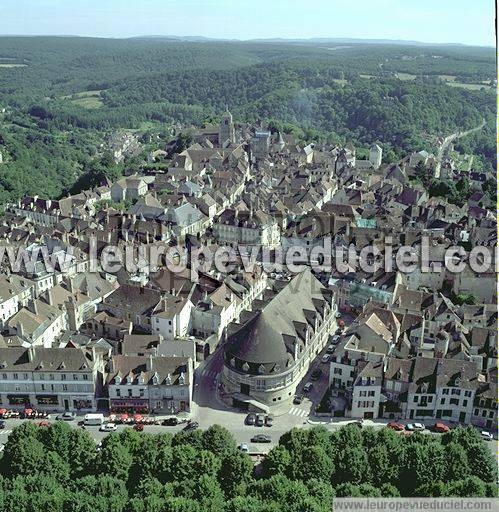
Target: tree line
[{"x": 59, "y": 468}]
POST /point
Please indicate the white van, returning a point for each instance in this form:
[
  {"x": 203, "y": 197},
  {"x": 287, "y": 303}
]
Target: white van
[{"x": 94, "y": 419}]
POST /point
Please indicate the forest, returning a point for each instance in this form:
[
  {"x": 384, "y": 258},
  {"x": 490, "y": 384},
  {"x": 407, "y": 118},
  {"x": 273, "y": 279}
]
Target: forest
[
  {"x": 61, "y": 97},
  {"x": 58, "y": 468}
]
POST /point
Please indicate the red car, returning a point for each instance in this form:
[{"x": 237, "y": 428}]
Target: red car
[
  {"x": 442, "y": 428},
  {"x": 139, "y": 427},
  {"x": 44, "y": 424},
  {"x": 396, "y": 426}
]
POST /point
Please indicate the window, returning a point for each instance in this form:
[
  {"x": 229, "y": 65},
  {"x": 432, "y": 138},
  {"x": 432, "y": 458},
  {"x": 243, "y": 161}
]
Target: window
[
  {"x": 118, "y": 392},
  {"x": 415, "y": 399},
  {"x": 130, "y": 393},
  {"x": 465, "y": 403},
  {"x": 475, "y": 412},
  {"x": 442, "y": 401},
  {"x": 456, "y": 391},
  {"x": 15, "y": 376},
  {"x": 64, "y": 387},
  {"x": 75, "y": 377},
  {"x": 141, "y": 393},
  {"x": 85, "y": 376},
  {"x": 445, "y": 391},
  {"x": 63, "y": 376}
]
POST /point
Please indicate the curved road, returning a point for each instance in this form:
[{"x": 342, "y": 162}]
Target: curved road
[{"x": 444, "y": 148}]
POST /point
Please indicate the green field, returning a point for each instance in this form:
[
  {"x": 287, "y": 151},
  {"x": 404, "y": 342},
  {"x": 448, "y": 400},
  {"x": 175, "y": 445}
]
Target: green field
[
  {"x": 12, "y": 65},
  {"x": 86, "y": 99},
  {"x": 469, "y": 87},
  {"x": 406, "y": 76}
]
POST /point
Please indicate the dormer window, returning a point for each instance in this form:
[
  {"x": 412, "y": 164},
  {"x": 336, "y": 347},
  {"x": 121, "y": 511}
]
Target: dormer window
[
  {"x": 141, "y": 380},
  {"x": 233, "y": 362},
  {"x": 245, "y": 367},
  {"x": 155, "y": 379},
  {"x": 117, "y": 380},
  {"x": 181, "y": 379},
  {"x": 168, "y": 380},
  {"x": 261, "y": 369},
  {"x": 129, "y": 379}
]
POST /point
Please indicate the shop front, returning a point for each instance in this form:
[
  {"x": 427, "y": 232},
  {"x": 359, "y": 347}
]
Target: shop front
[
  {"x": 83, "y": 404},
  {"x": 47, "y": 400},
  {"x": 18, "y": 400},
  {"x": 132, "y": 406}
]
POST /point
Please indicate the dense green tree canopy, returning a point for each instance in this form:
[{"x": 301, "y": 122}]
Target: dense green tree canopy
[{"x": 59, "y": 468}]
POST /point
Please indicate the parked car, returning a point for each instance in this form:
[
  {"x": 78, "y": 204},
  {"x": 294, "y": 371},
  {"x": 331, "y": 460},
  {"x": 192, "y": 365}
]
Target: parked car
[
  {"x": 330, "y": 349},
  {"x": 170, "y": 422},
  {"x": 339, "y": 331},
  {"x": 108, "y": 427},
  {"x": 357, "y": 423},
  {"x": 139, "y": 427},
  {"x": 191, "y": 425},
  {"x": 243, "y": 447},
  {"x": 269, "y": 420},
  {"x": 66, "y": 416},
  {"x": 415, "y": 427},
  {"x": 250, "y": 419},
  {"x": 325, "y": 358},
  {"x": 44, "y": 424},
  {"x": 396, "y": 426},
  {"x": 441, "y": 428},
  {"x": 335, "y": 338},
  {"x": 308, "y": 387},
  {"x": 316, "y": 374},
  {"x": 298, "y": 399},
  {"x": 261, "y": 438},
  {"x": 2, "y": 424},
  {"x": 487, "y": 436},
  {"x": 338, "y": 315},
  {"x": 260, "y": 420}
]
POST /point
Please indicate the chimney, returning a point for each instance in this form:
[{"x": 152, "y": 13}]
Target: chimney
[
  {"x": 31, "y": 353},
  {"x": 149, "y": 363},
  {"x": 20, "y": 329},
  {"x": 34, "y": 306},
  {"x": 50, "y": 299},
  {"x": 440, "y": 366}
]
